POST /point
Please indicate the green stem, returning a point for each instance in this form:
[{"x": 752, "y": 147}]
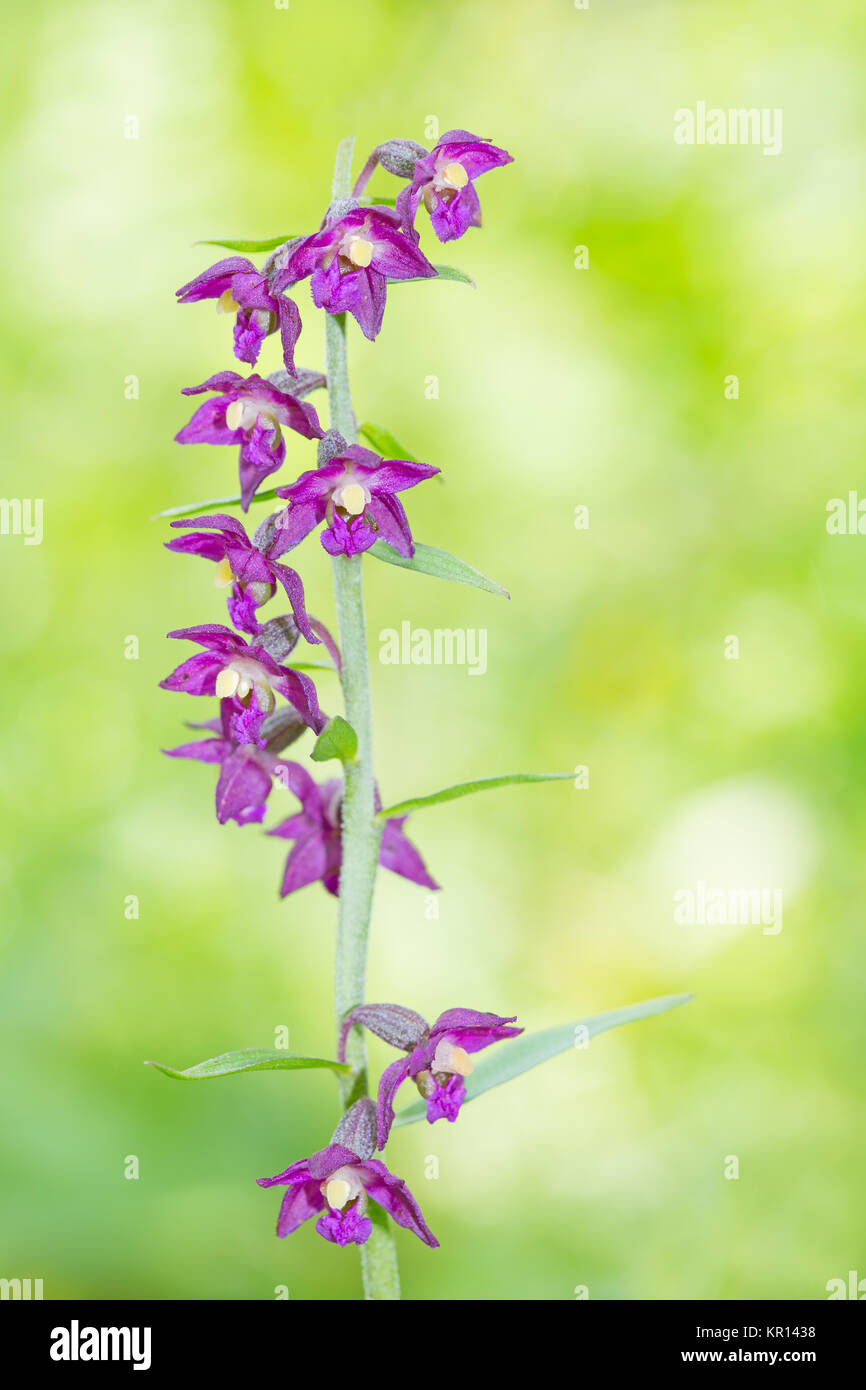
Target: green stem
[{"x": 360, "y": 832}]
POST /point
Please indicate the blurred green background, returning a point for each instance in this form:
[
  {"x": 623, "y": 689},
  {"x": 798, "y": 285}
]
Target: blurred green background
[{"x": 558, "y": 387}]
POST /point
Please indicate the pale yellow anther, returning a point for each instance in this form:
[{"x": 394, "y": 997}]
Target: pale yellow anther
[
  {"x": 455, "y": 174},
  {"x": 337, "y": 1193},
  {"x": 244, "y": 687},
  {"x": 234, "y": 415},
  {"x": 227, "y": 683},
  {"x": 227, "y": 304},
  {"x": 460, "y": 1061},
  {"x": 353, "y": 499},
  {"x": 223, "y": 575},
  {"x": 360, "y": 251}
]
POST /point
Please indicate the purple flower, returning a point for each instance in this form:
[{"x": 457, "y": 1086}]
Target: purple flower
[
  {"x": 340, "y": 1180},
  {"x": 246, "y": 771},
  {"x": 351, "y": 261},
  {"x": 246, "y": 676},
  {"x": 438, "y": 1057},
  {"x": 355, "y": 494},
  {"x": 242, "y": 290},
  {"x": 251, "y": 569},
  {"x": 249, "y": 411},
  {"x": 317, "y": 852},
  {"x": 445, "y": 180}
]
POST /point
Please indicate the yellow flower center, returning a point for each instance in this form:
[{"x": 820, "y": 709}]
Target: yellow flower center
[
  {"x": 353, "y": 499},
  {"x": 242, "y": 676},
  {"x": 337, "y": 1193},
  {"x": 360, "y": 251},
  {"x": 449, "y": 1058},
  {"x": 227, "y": 304},
  {"x": 227, "y": 683},
  {"x": 223, "y": 575},
  {"x": 455, "y": 175},
  {"x": 235, "y": 415}
]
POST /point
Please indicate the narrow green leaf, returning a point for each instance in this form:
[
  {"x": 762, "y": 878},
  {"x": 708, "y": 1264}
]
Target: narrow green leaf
[
  {"x": 417, "y": 803},
  {"x": 385, "y": 443},
  {"x": 190, "y": 508},
  {"x": 270, "y": 244},
  {"x": 443, "y": 272},
  {"x": 313, "y": 666},
  {"x": 438, "y": 563},
  {"x": 249, "y": 1059},
  {"x": 337, "y": 740},
  {"x": 513, "y": 1057}
]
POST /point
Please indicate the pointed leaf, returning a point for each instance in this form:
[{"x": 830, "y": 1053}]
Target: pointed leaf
[
  {"x": 518, "y": 1055},
  {"x": 269, "y": 244},
  {"x": 190, "y": 508},
  {"x": 385, "y": 443},
  {"x": 249, "y": 1059},
  {"x": 337, "y": 740},
  {"x": 438, "y": 563},
  {"x": 417, "y": 803},
  {"x": 443, "y": 272}
]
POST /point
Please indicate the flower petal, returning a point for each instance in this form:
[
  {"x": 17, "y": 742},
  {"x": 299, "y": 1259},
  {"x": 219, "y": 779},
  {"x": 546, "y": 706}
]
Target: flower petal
[{"x": 392, "y": 1193}]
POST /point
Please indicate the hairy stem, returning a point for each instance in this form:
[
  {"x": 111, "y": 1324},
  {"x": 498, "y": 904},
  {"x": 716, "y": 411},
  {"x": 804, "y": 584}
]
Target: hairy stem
[{"x": 360, "y": 833}]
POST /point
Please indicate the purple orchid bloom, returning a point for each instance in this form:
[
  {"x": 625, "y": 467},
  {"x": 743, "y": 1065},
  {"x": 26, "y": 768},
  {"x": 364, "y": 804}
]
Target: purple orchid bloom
[
  {"x": 355, "y": 494},
  {"x": 317, "y": 852},
  {"x": 247, "y": 676},
  {"x": 249, "y": 411},
  {"x": 242, "y": 290},
  {"x": 340, "y": 1180},
  {"x": 445, "y": 180},
  {"x": 246, "y": 771},
  {"x": 351, "y": 261},
  {"x": 438, "y": 1057},
  {"x": 251, "y": 569}
]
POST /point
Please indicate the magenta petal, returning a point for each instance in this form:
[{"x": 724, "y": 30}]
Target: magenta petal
[
  {"x": 242, "y": 788},
  {"x": 305, "y": 864},
  {"x": 220, "y": 521},
  {"x": 298, "y": 1205},
  {"x": 251, "y": 328},
  {"x": 203, "y": 750},
  {"x": 477, "y": 156},
  {"x": 392, "y": 1193},
  {"x": 220, "y": 381},
  {"x": 368, "y": 305},
  {"x": 391, "y": 1080},
  {"x": 195, "y": 676},
  {"x": 471, "y": 1030},
  {"x": 401, "y": 857},
  {"x": 211, "y": 283},
  {"x": 208, "y": 547},
  {"x": 451, "y": 218},
  {"x": 291, "y": 582},
  {"x": 300, "y": 692},
  {"x": 396, "y": 256},
  {"x": 345, "y": 1227},
  {"x": 216, "y": 636},
  {"x": 393, "y": 524},
  {"x": 208, "y": 425},
  {"x": 296, "y": 522},
  {"x": 395, "y": 475},
  {"x": 261, "y": 454},
  {"x": 307, "y": 255},
  {"x": 290, "y": 329},
  {"x": 446, "y": 1100}
]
